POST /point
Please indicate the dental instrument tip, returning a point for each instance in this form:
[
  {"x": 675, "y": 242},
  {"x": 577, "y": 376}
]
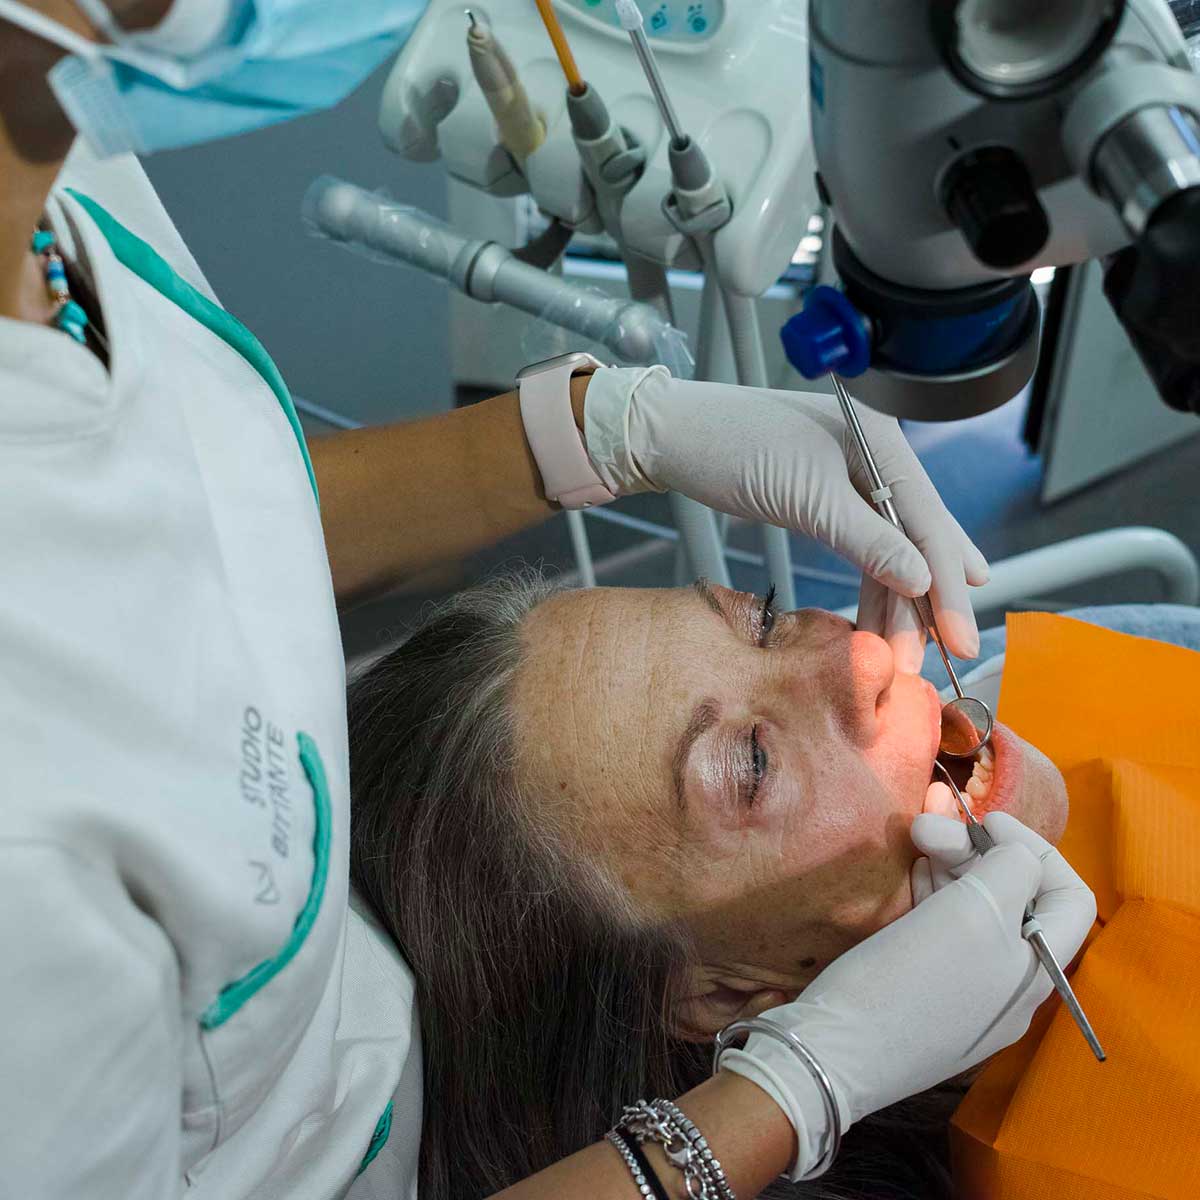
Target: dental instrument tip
[{"x": 471, "y": 18}]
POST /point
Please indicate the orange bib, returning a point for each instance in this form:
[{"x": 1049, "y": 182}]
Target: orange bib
[{"x": 1120, "y": 716}]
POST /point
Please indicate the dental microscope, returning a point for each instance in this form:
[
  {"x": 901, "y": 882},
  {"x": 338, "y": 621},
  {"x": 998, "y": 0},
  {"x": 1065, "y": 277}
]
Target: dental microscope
[{"x": 960, "y": 145}]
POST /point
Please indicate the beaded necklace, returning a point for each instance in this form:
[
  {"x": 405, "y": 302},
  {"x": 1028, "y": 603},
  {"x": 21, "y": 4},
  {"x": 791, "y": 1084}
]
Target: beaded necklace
[{"x": 68, "y": 315}]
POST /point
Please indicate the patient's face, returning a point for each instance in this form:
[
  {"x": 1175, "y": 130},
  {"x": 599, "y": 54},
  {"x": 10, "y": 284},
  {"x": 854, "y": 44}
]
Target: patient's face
[{"x": 754, "y": 778}]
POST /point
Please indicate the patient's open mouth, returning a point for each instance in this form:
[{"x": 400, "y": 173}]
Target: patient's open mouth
[
  {"x": 973, "y": 776},
  {"x": 990, "y": 779}
]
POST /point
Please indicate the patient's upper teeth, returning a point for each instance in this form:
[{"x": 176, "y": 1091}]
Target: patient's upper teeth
[
  {"x": 980, "y": 770},
  {"x": 977, "y": 789},
  {"x": 986, "y": 757}
]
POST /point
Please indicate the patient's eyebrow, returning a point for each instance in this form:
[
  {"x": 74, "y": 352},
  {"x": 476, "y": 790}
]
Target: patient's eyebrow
[
  {"x": 705, "y": 592},
  {"x": 705, "y": 715}
]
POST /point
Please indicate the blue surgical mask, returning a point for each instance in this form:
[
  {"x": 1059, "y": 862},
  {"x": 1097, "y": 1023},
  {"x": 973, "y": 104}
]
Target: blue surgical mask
[{"x": 214, "y": 68}]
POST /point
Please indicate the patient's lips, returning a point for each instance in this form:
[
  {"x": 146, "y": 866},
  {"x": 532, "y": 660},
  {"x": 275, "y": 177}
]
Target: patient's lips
[
  {"x": 1002, "y": 793},
  {"x": 994, "y": 781},
  {"x": 1024, "y": 783}
]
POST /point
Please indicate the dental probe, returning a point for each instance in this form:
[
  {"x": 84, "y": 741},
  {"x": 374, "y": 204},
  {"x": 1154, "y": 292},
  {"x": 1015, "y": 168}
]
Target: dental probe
[
  {"x": 575, "y": 82},
  {"x": 522, "y": 131},
  {"x": 962, "y": 707},
  {"x": 1031, "y": 931}
]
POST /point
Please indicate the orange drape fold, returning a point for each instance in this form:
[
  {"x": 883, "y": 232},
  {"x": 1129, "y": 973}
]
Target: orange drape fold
[{"x": 1121, "y": 718}]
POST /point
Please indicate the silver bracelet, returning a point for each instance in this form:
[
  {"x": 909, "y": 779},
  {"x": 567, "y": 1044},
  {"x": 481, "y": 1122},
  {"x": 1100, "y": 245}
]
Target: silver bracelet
[
  {"x": 701, "y": 1146},
  {"x": 652, "y": 1121},
  {"x": 638, "y": 1177},
  {"x": 772, "y": 1029}
]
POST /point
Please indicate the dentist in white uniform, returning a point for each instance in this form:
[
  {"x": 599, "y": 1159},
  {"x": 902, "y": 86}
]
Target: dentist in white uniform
[{"x": 190, "y": 1000}]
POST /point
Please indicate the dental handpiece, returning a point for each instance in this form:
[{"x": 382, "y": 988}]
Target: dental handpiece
[
  {"x": 1032, "y": 929},
  {"x": 521, "y": 130}
]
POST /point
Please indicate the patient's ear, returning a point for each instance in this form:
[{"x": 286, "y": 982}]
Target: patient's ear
[{"x": 709, "y": 1004}]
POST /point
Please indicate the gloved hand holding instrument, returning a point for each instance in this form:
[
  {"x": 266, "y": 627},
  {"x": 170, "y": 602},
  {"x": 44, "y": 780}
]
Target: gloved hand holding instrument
[
  {"x": 924, "y": 999},
  {"x": 787, "y": 459},
  {"x": 951, "y": 847}
]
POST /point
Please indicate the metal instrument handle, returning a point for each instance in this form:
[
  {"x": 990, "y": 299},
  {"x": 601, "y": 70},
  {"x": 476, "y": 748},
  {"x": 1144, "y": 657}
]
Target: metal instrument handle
[{"x": 882, "y": 499}]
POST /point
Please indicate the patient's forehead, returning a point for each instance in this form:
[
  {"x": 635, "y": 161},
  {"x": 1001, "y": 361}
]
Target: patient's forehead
[
  {"x": 604, "y": 675},
  {"x": 594, "y": 658},
  {"x": 613, "y": 654}
]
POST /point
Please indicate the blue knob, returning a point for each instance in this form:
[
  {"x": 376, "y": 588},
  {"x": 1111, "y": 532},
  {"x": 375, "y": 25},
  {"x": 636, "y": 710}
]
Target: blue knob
[{"x": 829, "y": 335}]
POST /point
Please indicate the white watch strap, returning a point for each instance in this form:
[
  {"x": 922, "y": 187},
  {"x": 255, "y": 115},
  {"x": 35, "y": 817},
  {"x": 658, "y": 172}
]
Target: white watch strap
[{"x": 558, "y": 447}]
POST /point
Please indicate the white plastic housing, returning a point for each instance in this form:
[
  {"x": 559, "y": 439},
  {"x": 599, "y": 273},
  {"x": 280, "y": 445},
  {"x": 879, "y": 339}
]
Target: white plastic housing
[{"x": 741, "y": 91}]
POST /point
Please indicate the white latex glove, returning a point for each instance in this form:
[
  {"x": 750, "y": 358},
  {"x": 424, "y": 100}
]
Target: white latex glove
[
  {"x": 932, "y": 994},
  {"x": 945, "y": 845},
  {"x": 787, "y": 459}
]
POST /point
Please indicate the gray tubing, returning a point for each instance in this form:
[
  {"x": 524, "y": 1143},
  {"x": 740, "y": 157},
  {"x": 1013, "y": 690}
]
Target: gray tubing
[
  {"x": 483, "y": 270},
  {"x": 582, "y": 549},
  {"x": 698, "y": 534},
  {"x": 701, "y": 551},
  {"x": 747, "y": 340},
  {"x": 648, "y": 283},
  {"x": 752, "y": 372}
]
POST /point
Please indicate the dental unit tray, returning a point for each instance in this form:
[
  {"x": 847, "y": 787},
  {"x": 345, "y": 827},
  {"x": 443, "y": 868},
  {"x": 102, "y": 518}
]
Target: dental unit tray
[{"x": 738, "y": 77}]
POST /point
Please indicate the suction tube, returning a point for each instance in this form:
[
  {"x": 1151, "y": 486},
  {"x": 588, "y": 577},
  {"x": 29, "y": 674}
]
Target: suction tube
[{"x": 382, "y": 229}]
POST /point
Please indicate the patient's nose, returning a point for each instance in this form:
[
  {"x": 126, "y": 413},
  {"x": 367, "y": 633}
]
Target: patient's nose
[
  {"x": 860, "y": 680},
  {"x": 871, "y": 670},
  {"x": 844, "y": 671}
]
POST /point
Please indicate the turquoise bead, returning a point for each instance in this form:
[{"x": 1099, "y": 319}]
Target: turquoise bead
[
  {"x": 70, "y": 318},
  {"x": 73, "y": 320}
]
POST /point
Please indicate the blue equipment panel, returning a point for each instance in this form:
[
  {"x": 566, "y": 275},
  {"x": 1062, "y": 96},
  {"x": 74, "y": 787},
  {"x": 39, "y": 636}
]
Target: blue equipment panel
[{"x": 668, "y": 20}]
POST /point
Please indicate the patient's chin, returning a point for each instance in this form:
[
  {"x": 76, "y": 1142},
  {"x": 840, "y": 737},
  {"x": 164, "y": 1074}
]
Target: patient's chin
[{"x": 1044, "y": 805}]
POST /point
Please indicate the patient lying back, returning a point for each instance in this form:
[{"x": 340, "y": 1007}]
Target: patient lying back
[{"x": 650, "y": 813}]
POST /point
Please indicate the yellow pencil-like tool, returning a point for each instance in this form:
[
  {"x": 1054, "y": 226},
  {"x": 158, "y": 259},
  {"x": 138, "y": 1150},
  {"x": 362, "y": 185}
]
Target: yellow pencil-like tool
[
  {"x": 522, "y": 131},
  {"x": 575, "y": 82}
]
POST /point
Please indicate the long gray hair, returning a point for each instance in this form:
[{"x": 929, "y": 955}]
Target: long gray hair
[{"x": 544, "y": 1001}]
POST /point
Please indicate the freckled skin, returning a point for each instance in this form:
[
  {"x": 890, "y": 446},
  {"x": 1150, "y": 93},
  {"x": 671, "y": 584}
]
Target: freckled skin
[{"x": 773, "y": 885}]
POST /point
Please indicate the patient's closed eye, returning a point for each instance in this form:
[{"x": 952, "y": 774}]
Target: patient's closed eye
[{"x": 759, "y": 764}]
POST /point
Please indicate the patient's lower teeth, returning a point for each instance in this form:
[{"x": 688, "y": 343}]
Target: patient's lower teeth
[{"x": 977, "y": 789}]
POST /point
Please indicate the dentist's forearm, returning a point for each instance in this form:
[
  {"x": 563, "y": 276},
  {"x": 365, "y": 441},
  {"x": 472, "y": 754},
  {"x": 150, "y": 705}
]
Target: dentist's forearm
[{"x": 398, "y": 499}]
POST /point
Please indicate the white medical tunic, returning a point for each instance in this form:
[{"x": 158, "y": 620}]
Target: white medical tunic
[{"x": 189, "y": 1002}]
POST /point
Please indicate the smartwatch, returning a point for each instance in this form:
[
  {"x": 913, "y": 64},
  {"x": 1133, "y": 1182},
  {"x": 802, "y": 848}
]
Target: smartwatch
[{"x": 558, "y": 447}]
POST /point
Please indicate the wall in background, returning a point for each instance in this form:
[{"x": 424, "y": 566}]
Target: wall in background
[{"x": 363, "y": 338}]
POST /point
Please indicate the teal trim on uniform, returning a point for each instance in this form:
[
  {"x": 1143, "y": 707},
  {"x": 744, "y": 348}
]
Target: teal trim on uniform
[
  {"x": 383, "y": 1127},
  {"x": 145, "y": 262},
  {"x": 234, "y": 995}
]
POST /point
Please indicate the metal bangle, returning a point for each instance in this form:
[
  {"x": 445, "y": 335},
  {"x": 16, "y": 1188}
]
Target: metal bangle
[{"x": 774, "y": 1030}]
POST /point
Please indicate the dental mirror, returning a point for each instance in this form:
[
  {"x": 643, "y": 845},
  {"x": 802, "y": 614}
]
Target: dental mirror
[{"x": 966, "y": 726}]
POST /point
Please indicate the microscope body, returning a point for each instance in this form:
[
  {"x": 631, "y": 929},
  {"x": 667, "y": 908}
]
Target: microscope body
[{"x": 960, "y": 146}]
